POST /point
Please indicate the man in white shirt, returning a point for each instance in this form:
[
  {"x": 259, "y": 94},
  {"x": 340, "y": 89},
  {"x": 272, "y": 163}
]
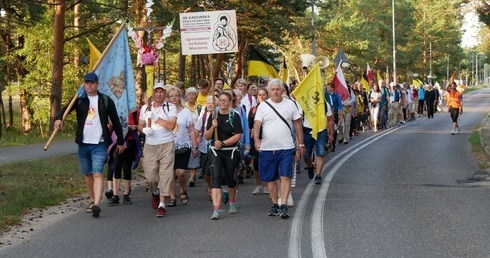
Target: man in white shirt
[
  {"x": 277, "y": 148},
  {"x": 157, "y": 121},
  {"x": 93, "y": 136}
]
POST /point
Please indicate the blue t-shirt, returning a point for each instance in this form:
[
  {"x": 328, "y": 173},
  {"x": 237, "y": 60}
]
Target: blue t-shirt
[{"x": 421, "y": 94}]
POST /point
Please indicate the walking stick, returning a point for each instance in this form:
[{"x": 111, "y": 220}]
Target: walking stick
[{"x": 51, "y": 138}]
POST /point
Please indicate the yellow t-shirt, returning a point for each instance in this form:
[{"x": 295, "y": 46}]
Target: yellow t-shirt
[{"x": 201, "y": 99}]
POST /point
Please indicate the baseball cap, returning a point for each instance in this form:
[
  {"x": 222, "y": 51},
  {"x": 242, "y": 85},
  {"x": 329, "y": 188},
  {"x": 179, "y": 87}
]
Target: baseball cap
[
  {"x": 191, "y": 90},
  {"x": 159, "y": 85},
  {"x": 92, "y": 77}
]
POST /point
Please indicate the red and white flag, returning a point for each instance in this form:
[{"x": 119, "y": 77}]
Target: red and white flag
[
  {"x": 340, "y": 84},
  {"x": 370, "y": 73}
]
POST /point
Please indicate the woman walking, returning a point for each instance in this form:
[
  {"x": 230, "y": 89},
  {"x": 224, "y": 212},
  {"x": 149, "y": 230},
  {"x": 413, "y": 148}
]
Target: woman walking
[
  {"x": 185, "y": 144},
  {"x": 222, "y": 154}
]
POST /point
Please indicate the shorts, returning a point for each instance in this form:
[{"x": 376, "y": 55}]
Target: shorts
[
  {"x": 182, "y": 160},
  {"x": 204, "y": 164},
  {"x": 319, "y": 144},
  {"x": 92, "y": 158},
  {"x": 274, "y": 164}
]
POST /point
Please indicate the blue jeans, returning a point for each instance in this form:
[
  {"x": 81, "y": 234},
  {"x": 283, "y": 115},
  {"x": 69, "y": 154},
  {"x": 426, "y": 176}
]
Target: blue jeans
[{"x": 92, "y": 158}]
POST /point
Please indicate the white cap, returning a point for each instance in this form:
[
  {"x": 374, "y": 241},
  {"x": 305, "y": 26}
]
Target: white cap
[{"x": 159, "y": 85}]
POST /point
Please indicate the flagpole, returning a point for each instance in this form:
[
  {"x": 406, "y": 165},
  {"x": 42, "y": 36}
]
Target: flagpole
[{"x": 73, "y": 100}]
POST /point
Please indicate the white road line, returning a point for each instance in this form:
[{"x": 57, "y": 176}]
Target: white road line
[{"x": 317, "y": 235}]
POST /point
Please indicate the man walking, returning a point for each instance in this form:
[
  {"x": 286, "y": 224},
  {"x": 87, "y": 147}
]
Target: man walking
[
  {"x": 277, "y": 115},
  {"x": 93, "y": 137},
  {"x": 157, "y": 121}
]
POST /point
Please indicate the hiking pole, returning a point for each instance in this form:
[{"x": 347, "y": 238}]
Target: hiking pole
[{"x": 51, "y": 138}]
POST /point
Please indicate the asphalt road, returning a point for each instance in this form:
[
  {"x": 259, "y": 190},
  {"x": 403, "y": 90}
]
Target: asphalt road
[{"x": 403, "y": 192}]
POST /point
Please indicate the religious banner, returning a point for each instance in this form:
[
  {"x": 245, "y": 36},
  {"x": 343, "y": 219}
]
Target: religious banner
[{"x": 208, "y": 32}]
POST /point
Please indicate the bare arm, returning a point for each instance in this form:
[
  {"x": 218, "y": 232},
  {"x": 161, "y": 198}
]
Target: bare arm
[{"x": 256, "y": 131}]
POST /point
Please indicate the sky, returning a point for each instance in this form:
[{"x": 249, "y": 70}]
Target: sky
[{"x": 471, "y": 27}]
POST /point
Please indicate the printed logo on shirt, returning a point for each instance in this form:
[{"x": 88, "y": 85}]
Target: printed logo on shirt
[{"x": 91, "y": 116}]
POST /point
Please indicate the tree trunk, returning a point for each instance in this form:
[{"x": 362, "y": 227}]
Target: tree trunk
[
  {"x": 59, "y": 42},
  {"x": 24, "y": 111},
  {"x": 11, "y": 113},
  {"x": 217, "y": 67},
  {"x": 76, "y": 24},
  {"x": 193, "y": 80},
  {"x": 182, "y": 68}
]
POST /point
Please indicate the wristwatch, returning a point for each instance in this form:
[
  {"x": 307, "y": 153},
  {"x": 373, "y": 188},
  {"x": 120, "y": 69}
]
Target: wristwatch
[
  {"x": 301, "y": 145},
  {"x": 223, "y": 143}
]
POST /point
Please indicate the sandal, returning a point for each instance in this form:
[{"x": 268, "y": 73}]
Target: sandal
[
  {"x": 89, "y": 208},
  {"x": 184, "y": 197},
  {"x": 172, "y": 203}
]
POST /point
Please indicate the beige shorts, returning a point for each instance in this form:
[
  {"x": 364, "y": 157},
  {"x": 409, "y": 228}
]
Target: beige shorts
[{"x": 159, "y": 166}]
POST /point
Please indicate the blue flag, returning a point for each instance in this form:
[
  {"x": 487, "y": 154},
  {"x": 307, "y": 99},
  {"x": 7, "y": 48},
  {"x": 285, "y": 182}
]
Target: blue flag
[{"x": 116, "y": 78}]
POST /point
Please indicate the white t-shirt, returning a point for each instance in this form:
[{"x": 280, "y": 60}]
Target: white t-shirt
[
  {"x": 92, "y": 130},
  {"x": 329, "y": 113},
  {"x": 249, "y": 101},
  {"x": 182, "y": 137},
  {"x": 159, "y": 134},
  {"x": 203, "y": 145},
  {"x": 275, "y": 133}
]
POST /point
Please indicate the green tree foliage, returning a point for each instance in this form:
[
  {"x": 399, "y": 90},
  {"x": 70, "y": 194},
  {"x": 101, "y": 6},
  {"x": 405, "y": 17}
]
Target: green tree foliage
[{"x": 362, "y": 28}]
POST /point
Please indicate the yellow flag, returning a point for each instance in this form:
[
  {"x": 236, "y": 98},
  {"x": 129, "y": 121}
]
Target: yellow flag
[
  {"x": 226, "y": 86},
  {"x": 94, "y": 55},
  {"x": 364, "y": 82},
  {"x": 417, "y": 82},
  {"x": 258, "y": 65},
  {"x": 378, "y": 76},
  {"x": 309, "y": 95}
]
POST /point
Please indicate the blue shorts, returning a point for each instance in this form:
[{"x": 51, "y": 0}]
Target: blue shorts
[
  {"x": 319, "y": 144},
  {"x": 274, "y": 164},
  {"x": 92, "y": 158}
]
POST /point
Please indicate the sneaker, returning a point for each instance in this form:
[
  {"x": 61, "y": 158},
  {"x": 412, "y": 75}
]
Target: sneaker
[
  {"x": 346, "y": 142},
  {"x": 284, "y": 212},
  {"x": 225, "y": 197},
  {"x": 155, "y": 200},
  {"x": 274, "y": 210},
  {"x": 192, "y": 183},
  {"x": 457, "y": 130},
  {"x": 258, "y": 190},
  {"x": 310, "y": 173},
  {"x": 127, "y": 200},
  {"x": 160, "y": 212},
  {"x": 452, "y": 132},
  {"x": 216, "y": 215},
  {"x": 109, "y": 194},
  {"x": 318, "y": 180},
  {"x": 266, "y": 190},
  {"x": 95, "y": 211},
  {"x": 290, "y": 201},
  {"x": 114, "y": 200},
  {"x": 233, "y": 209}
]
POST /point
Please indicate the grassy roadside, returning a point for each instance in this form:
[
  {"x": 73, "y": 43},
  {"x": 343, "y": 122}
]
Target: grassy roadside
[
  {"x": 37, "y": 184},
  {"x": 477, "y": 148},
  {"x": 15, "y": 136}
]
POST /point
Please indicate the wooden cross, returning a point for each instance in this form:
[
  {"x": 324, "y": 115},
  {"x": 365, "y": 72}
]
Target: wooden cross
[{"x": 149, "y": 29}]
